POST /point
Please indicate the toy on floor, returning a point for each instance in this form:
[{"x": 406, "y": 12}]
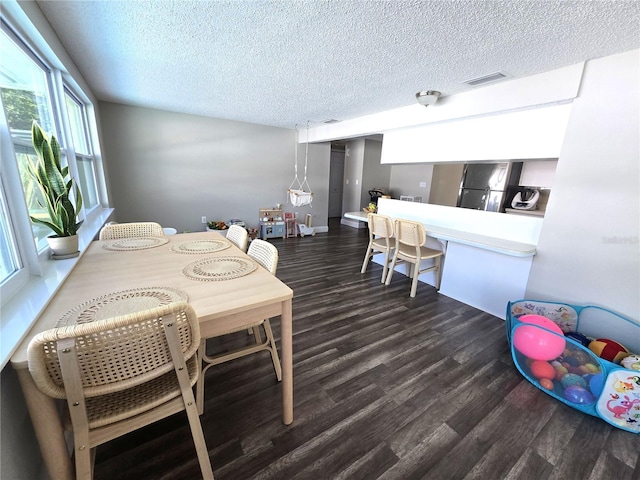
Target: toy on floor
[
  {"x": 570, "y": 352},
  {"x": 632, "y": 362},
  {"x": 609, "y": 349}
]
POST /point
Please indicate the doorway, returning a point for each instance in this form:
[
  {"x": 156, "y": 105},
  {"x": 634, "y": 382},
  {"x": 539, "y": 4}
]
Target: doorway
[{"x": 336, "y": 181}]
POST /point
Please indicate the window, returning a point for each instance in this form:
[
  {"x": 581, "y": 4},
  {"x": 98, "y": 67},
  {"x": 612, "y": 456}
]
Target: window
[
  {"x": 26, "y": 96},
  {"x": 9, "y": 259},
  {"x": 76, "y": 114},
  {"x": 31, "y": 88}
]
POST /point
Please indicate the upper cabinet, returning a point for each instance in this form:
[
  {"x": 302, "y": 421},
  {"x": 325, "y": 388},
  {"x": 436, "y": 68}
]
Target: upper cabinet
[
  {"x": 528, "y": 134},
  {"x": 538, "y": 173}
]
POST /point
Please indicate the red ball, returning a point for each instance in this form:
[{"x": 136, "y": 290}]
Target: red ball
[
  {"x": 608, "y": 349},
  {"x": 541, "y": 369},
  {"x": 546, "y": 383}
]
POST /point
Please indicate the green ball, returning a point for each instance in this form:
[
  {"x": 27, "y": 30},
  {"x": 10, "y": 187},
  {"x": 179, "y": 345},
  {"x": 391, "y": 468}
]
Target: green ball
[{"x": 573, "y": 379}]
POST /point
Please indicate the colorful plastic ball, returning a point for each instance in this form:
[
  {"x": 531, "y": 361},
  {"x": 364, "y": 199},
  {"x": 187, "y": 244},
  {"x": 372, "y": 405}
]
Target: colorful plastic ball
[
  {"x": 541, "y": 369},
  {"x": 579, "y": 395},
  {"x": 608, "y": 349},
  {"x": 596, "y": 384},
  {"x": 592, "y": 368},
  {"x": 571, "y": 379},
  {"x": 546, "y": 383},
  {"x": 538, "y": 343},
  {"x": 573, "y": 361},
  {"x": 560, "y": 372}
]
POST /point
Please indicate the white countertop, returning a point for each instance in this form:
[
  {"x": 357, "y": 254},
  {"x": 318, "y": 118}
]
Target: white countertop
[
  {"x": 495, "y": 244},
  {"x": 537, "y": 213}
]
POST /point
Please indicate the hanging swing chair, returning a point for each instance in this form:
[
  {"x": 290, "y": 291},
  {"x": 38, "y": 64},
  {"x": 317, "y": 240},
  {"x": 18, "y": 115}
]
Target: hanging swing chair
[{"x": 300, "y": 193}]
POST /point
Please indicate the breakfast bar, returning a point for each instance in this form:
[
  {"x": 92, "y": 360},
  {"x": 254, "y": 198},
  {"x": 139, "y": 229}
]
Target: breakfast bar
[{"x": 487, "y": 257}]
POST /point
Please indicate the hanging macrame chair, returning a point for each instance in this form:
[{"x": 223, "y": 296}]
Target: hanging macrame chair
[{"x": 300, "y": 193}]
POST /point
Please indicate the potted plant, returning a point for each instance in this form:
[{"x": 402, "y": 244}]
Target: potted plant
[
  {"x": 55, "y": 188},
  {"x": 219, "y": 225}
]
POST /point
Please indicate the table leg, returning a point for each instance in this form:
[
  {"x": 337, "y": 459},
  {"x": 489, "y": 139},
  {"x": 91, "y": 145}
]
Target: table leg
[
  {"x": 49, "y": 432},
  {"x": 286, "y": 336}
]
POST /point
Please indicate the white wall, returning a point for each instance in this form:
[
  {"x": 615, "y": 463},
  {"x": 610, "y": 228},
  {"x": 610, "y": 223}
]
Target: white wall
[
  {"x": 174, "y": 168},
  {"x": 589, "y": 249}
]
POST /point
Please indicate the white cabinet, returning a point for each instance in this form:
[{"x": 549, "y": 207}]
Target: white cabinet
[{"x": 538, "y": 173}]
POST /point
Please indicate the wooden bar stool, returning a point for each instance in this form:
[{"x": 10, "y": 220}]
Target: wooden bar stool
[
  {"x": 409, "y": 247},
  {"x": 380, "y": 240}
]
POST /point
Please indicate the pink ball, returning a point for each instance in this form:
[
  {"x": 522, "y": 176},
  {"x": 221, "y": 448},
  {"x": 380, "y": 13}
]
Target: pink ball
[{"x": 538, "y": 343}]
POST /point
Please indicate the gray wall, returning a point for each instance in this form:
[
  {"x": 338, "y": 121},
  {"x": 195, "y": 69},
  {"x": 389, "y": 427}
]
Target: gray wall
[
  {"x": 374, "y": 174},
  {"x": 362, "y": 172},
  {"x": 406, "y": 179},
  {"x": 174, "y": 168}
]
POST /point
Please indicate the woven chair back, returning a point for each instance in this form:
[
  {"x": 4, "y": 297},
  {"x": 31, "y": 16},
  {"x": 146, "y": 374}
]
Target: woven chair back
[
  {"x": 131, "y": 230},
  {"x": 117, "y": 353},
  {"x": 410, "y": 233},
  {"x": 265, "y": 254},
  {"x": 380, "y": 225},
  {"x": 239, "y": 236}
]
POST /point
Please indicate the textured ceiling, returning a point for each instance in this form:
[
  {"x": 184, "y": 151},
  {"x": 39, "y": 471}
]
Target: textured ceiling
[{"x": 285, "y": 62}]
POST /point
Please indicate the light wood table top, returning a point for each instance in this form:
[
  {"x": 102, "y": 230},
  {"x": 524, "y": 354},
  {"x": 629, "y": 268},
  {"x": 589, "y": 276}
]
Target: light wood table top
[{"x": 101, "y": 271}]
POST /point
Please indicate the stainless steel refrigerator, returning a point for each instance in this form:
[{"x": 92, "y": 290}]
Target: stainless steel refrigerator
[{"x": 487, "y": 186}]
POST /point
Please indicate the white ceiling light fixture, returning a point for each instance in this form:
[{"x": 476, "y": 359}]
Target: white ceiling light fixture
[
  {"x": 427, "y": 97},
  {"x": 492, "y": 77}
]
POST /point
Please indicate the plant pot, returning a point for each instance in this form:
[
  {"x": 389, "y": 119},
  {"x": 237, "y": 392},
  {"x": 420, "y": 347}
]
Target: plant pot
[{"x": 63, "y": 247}]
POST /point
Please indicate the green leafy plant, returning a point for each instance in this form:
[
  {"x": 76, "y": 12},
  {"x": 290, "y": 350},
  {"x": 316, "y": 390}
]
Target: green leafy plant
[{"x": 54, "y": 186}]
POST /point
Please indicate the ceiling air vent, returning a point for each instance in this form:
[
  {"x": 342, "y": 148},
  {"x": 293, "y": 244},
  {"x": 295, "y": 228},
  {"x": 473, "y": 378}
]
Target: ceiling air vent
[
  {"x": 332, "y": 120},
  {"x": 492, "y": 77}
]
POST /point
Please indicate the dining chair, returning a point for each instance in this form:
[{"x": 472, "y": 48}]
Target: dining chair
[
  {"x": 409, "y": 247},
  {"x": 238, "y": 236},
  {"x": 120, "y": 374},
  {"x": 380, "y": 240},
  {"x": 131, "y": 230},
  {"x": 266, "y": 255}
]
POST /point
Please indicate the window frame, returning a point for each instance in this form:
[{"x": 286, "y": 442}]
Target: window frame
[
  {"x": 29, "y": 290},
  {"x": 68, "y": 90}
]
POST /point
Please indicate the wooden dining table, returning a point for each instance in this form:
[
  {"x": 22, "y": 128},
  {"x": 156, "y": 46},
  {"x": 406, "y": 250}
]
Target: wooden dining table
[{"x": 147, "y": 271}]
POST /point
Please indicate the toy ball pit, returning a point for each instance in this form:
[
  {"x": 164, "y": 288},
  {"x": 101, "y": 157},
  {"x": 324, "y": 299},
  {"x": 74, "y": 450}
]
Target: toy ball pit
[{"x": 550, "y": 346}]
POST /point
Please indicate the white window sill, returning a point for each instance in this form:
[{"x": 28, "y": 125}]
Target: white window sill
[{"x": 21, "y": 312}]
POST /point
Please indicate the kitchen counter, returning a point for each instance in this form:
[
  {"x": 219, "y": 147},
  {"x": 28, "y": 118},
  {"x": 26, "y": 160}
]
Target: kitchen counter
[
  {"x": 534, "y": 213},
  {"x": 494, "y": 244}
]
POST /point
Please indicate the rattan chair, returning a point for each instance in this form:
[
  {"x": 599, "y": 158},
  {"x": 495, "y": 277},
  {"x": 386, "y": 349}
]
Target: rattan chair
[
  {"x": 409, "y": 247},
  {"x": 266, "y": 255},
  {"x": 131, "y": 230},
  {"x": 238, "y": 236},
  {"x": 380, "y": 240},
  {"x": 120, "y": 374}
]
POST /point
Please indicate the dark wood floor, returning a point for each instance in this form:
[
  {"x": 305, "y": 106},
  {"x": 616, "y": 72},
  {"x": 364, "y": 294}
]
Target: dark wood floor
[{"x": 385, "y": 387}]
